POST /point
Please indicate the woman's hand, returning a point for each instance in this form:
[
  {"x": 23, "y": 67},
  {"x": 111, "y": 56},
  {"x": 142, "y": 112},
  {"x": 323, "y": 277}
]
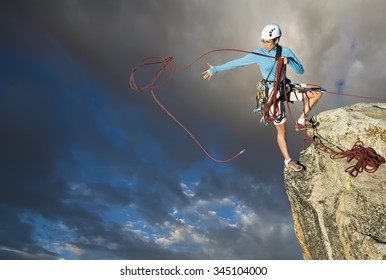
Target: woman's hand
[{"x": 206, "y": 75}]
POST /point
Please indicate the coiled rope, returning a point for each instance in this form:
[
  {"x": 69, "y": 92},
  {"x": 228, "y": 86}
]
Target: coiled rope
[{"x": 367, "y": 158}]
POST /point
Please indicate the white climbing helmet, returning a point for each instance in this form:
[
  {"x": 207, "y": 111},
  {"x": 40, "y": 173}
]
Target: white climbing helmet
[{"x": 271, "y": 31}]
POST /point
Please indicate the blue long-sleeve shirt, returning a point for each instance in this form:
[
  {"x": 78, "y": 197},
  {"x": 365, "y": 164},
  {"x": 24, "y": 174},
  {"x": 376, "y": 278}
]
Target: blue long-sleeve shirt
[{"x": 265, "y": 63}]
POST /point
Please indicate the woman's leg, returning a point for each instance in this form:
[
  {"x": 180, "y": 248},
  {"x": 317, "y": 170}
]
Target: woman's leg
[
  {"x": 282, "y": 140},
  {"x": 311, "y": 98}
]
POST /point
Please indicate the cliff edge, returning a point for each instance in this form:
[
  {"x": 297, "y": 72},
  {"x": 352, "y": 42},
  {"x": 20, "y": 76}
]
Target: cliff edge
[{"x": 336, "y": 215}]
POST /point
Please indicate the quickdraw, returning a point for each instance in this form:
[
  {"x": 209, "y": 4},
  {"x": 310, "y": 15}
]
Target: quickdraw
[{"x": 261, "y": 98}]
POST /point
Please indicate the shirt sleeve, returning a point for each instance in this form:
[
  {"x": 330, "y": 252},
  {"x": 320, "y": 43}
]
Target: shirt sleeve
[
  {"x": 236, "y": 63},
  {"x": 293, "y": 62}
]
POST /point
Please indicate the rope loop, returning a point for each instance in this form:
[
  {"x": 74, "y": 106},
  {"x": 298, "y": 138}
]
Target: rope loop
[
  {"x": 367, "y": 159},
  {"x": 164, "y": 62}
]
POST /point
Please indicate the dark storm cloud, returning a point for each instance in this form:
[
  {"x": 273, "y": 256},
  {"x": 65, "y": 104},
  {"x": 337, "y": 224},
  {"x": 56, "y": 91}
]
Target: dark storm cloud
[
  {"x": 56, "y": 148},
  {"x": 81, "y": 153}
]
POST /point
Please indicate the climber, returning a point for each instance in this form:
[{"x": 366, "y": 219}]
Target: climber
[{"x": 270, "y": 37}]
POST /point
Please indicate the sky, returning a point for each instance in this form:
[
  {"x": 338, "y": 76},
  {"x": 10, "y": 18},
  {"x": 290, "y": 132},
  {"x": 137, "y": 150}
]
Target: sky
[{"x": 91, "y": 169}]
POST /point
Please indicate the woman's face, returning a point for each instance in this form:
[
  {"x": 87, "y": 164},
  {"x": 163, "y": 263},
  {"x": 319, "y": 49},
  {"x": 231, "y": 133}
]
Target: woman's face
[{"x": 269, "y": 44}]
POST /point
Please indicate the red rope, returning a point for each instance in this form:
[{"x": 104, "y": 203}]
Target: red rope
[
  {"x": 367, "y": 159},
  {"x": 357, "y": 96},
  {"x": 191, "y": 134},
  {"x": 268, "y": 113},
  {"x": 166, "y": 64}
]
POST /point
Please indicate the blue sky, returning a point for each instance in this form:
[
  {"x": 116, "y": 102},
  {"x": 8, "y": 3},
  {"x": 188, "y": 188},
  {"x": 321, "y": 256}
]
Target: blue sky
[{"x": 92, "y": 170}]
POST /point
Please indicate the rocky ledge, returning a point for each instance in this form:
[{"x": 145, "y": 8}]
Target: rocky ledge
[{"x": 337, "y": 215}]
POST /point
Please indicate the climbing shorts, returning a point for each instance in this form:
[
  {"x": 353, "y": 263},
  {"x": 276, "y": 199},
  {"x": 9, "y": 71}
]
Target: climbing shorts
[{"x": 295, "y": 94}]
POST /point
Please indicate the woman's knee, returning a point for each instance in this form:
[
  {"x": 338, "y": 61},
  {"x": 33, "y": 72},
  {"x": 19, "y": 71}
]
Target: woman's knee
[
  {"x": 281, "y": 128},
  {"x": 316, "y": 94}
]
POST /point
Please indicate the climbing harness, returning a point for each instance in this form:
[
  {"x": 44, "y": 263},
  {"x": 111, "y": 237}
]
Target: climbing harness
[{"x": 269, "y": 104}]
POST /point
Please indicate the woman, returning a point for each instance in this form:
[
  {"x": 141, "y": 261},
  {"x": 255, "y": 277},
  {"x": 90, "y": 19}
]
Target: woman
[{"x": 270, "y": 37}]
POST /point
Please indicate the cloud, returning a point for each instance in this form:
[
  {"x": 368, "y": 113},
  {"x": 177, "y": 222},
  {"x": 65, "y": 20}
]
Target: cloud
[{"x": 92, "y": 170}]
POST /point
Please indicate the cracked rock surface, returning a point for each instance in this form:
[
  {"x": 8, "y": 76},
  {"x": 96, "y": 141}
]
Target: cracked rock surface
[{"x": 338, "y": 216}]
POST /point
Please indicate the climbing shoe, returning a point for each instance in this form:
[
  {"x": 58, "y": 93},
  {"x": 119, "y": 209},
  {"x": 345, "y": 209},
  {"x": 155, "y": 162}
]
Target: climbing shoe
[
  {"x": 295, "y": 166},
  {"x": 300, "y": 127}
]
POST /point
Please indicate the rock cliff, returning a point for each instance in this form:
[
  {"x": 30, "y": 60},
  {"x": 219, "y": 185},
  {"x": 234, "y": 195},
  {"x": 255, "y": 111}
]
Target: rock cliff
[{"x": 336, "y": 215}]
